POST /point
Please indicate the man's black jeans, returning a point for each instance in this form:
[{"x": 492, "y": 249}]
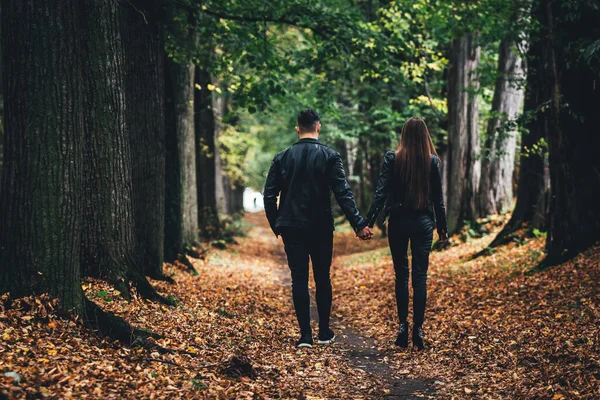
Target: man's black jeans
[
  {"x": 418, "y": 228},
  {"x": 300, "y": 244}
]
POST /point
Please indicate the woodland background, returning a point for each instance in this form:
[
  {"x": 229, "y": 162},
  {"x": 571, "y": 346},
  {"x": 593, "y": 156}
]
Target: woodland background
[{"x": 130, "y": 130}]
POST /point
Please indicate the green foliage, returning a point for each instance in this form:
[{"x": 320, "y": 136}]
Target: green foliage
[
  {"x": 172, "y": 300},
  {"x": 539, "y": 149},
  {"x": 537, "y": 233},
  {"x": 199, "y": 384},
  {"x": 233, "y": 226},
  {"x": 365, "y": 66}
]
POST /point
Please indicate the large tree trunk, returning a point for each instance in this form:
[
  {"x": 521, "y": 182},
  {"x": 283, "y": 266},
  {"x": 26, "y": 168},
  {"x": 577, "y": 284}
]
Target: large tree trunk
[
  {"x": 181, "y": 230},
  {"x": 574, "y": 118},
  {"x": 41, "y": 205},
  {"x": 108, "y": 229},
  {"x": 1, "y": 115},
  {"x": 463, "y": 136},
  {"x": 496, "y": 186},
  {"x": 145, "y": 117},
  {"x": 534, "y": 178},
  {"x": 1, "y": 118},
  {"x": 208, "y": 215}
]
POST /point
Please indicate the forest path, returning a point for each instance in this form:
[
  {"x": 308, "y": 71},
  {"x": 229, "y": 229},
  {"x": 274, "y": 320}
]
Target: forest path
[{"x": 361, "y": 352}]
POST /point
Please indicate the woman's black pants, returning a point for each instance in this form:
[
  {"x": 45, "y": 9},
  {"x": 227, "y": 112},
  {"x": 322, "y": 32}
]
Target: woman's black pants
[{"x": 417, "y": 228}]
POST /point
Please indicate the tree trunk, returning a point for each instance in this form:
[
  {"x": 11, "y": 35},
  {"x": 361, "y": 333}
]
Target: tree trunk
[
  {"x": 108, "y": 229},
  {"x": 463, "y": 136},
  {"x": 235, "y": 199},
  {"x": 1, "y": 117},
  {"x": 41, "y": 205},
  {"x": 496, "y": 186},
  {"x": 208, "y": 215},
  {"x": 574, "y": 218},
  {"x": 534, "y": 178},
  {"x": 181, "y": 230},
  {"x": 219, "y": 105},
  {"x": 144, "y": 67}
]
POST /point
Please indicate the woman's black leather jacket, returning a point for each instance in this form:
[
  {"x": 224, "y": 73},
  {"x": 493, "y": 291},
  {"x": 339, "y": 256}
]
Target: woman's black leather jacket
[{"x": 385, "y": 197}]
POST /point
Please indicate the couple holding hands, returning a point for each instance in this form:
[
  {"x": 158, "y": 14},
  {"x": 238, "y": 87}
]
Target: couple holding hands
[{"x": 409, "y": 191}]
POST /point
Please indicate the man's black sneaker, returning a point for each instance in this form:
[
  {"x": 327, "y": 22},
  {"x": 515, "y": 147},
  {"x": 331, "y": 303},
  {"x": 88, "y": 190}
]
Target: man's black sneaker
[
  {"x": 402, "y": 339},
  {"x": 306, "y": 340},
  {"x": 326, "y": 337}
]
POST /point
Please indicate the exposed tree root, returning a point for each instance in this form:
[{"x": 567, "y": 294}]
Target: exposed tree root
[
  {"x": 183, "y": 260},
  {"x": 145, "y": 289},
  {"x": 123, "y": 288},
  {"x": 505, "y": 236},
  {"x": 195, "y": 251},
  {"x": 110, "y": 325},
  {"x": 162, "y": 278}
]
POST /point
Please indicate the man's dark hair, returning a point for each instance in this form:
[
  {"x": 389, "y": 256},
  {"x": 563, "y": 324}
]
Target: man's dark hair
[{"x": 307, "y": 120}]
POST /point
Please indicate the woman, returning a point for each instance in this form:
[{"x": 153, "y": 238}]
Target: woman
[{"x": 410, "y": 187}]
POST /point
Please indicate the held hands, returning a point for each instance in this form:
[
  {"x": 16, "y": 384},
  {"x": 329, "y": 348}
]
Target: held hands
[{"x": 365, "y": 233}]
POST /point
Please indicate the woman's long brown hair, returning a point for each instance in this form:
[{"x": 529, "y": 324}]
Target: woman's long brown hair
[{"x": 413, "y": 163}]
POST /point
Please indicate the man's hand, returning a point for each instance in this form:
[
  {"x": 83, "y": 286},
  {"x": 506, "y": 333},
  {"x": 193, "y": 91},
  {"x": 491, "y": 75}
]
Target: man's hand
[
  {"x": 365, "y": 233},
  {"x": 443, "y": 236}
]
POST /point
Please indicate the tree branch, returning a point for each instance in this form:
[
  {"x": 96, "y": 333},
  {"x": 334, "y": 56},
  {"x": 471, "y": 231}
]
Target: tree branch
[{"x": 323, "y": 32}]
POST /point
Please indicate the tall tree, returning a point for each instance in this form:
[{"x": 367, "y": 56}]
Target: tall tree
[
  {"x": 1, "y": 117},
  {"x": 464, "y": 166},
  {"x": 108, "y": 243},
  {"x": 573, "y": 61},
  {"x": 534, "y": 180},
  {"x": 181, "y": 228},
  {"x": 42, "y": 202},
  {"x": 208, "y": 218},
  {"x": 495, "y": 193},
  {"x": 145, "y": 118}
]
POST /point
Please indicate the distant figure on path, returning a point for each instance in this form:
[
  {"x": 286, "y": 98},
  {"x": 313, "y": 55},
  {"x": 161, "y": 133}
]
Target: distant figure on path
[
  {"x": 305, "y": 174},
  {"x": 410, "y": 187}
]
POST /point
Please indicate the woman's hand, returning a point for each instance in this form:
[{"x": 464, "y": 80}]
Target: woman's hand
[
  {"x": 443, "y": 236},
  {"x": 365, "y": 233}
]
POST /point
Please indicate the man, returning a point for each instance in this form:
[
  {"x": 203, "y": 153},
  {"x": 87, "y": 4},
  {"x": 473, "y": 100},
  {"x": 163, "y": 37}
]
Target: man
[{"x": 305, "y": 174}]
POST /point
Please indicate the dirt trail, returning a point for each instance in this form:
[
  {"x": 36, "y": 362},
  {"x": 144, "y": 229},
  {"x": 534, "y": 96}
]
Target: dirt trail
[{"x": 361, "y": 352}]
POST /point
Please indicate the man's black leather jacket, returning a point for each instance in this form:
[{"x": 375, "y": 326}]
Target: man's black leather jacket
[
  {"x": 305, "y": 174},
  {"x": 389, "y": 195}
]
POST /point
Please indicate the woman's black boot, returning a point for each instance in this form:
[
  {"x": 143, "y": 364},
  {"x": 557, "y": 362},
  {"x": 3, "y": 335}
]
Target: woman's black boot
[
  {"x": 402, "y": 339},
  {"x": 417, "y": 337}
]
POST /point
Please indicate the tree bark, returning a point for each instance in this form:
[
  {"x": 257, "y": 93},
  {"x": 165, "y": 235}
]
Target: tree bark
[
  {"x": 463, "y": 136},
  {"x": 219, "y": 105},
  {"x": 235, "y": 200},
  {"x": 145, "y": 118},
  {"x": 574, "y": 218},
  {"x": 108, "y": 243},
  {"x": 42, "y": 203},
  {"x": 496, "y": 186},
  {"x": 181, "y": 229},
  {"x": 534, "y": 176},
  {"x": 208, "y": 215}
]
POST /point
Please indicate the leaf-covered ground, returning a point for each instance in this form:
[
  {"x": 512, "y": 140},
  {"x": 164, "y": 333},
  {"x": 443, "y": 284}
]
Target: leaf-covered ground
[{"x": 492, "y": 331}]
